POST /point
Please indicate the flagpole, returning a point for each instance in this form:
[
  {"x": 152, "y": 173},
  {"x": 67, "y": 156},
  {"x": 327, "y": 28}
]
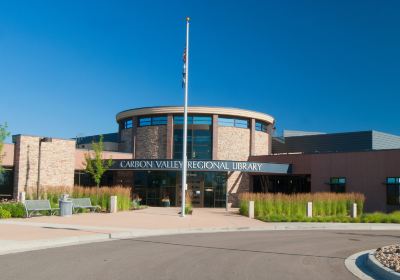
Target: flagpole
[{"x": 184, "y": 165}]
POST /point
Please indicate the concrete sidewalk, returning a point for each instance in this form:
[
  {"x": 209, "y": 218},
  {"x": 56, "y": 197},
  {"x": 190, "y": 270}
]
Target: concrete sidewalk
[{"x": 17, "y": 235}]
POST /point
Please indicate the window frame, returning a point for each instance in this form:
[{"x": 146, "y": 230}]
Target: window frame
[{"x": 338, "y": 184}]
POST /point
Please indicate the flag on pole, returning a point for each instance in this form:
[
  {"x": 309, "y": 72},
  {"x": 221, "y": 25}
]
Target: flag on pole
[{"x": 184, "y": 69}]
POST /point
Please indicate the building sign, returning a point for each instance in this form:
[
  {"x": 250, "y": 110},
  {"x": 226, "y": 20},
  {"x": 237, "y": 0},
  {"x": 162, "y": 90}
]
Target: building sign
[{"x": 201, "y": 165}]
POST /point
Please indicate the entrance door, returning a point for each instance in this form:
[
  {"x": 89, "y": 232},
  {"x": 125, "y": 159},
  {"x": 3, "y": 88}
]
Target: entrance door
[
  {"x": 196, "y": 190},
  {"x": 195, "y": 184}
]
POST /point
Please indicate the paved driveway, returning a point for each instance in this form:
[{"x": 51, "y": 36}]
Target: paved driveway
[{"x": 240, "y": 255}]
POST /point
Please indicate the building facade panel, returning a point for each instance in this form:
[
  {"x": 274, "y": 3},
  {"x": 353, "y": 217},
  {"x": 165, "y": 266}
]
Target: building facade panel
[
  {"x": 57, "y": 162},
  {"x": 233, "y": 143},
  {"x": 151, "y": 142},
  {"x": 7, "y": 157},
  {"x": 126, "y": 143},
  {"x": 261, "y": 143},
  {"x": 364, "y": 172}
]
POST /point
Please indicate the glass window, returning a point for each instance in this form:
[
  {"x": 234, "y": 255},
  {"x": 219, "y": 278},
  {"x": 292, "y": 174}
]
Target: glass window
[
  {"x": 202, "y": 120},
  {"x": 393, "y": 190},
  {"x": 338, "y": 184},
  {"x": 226, "y": 122},
  {"x": 242, "y": 123},
  {"x": 159, "y": 120},
  {"x": 393, "y": 180},
  {"x": 199, "y": 137},
  {"x": 154, "y": 186},
  {"x": 144, "y": 121},
  {"x": 127, "y": 123},
  {"x": 156, "y": 120},
  {"x": 7, "y": 183},
  {"x": 392, "y": 194},
  {"x": 261, "y": 126},
  {"x": 194, "y": 120}
]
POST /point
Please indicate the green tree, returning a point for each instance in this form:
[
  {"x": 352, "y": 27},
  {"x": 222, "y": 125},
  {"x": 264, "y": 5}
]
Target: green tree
[
  {"x": 95, "y": 165},
  {"x": 3, "y": 135}
]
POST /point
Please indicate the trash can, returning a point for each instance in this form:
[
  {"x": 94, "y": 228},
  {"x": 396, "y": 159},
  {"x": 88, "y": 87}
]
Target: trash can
[{"x": 65, "y": 204}]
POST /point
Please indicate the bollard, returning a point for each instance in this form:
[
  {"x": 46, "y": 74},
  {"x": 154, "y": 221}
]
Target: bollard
[
  {"x": 251, "y": 209},
  {"x": 113, "y": 204},
  {"x": 354, "y": 210},
  {"x": 21, "y": 197},
  {"x": 309, "y": 209}
]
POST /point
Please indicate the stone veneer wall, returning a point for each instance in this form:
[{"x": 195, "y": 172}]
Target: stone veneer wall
[
  {"x": 234, "y": 144},
  {"x": 151, "y": 142},
  {"x": 56, "y": 165},
  {"x": 125, "y": 144},
  {"x": 261, "y": 143}
]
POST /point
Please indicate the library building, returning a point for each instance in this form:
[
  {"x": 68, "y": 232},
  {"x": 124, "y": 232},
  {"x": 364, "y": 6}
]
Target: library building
[{"x": 230, "y": 151}]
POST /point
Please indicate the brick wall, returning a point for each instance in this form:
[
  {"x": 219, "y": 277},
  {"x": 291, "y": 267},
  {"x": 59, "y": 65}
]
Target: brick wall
[
  {"x": 56, "y": 164},
  {"x": 151, "y": 142}
]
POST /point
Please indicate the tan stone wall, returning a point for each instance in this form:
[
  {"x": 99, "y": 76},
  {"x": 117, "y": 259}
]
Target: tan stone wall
[
  {"x": 151, "y": 142},
  {"x": 233, "y": 143},
  {"x": 56, "y": 164},
  {"x": 238, "y": 182},
  {"x": 261, "y": 143},
  {"x": 126, "y": 144}
]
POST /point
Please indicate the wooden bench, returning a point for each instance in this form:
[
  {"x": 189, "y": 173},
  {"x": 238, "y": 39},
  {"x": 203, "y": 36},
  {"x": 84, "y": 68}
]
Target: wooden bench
[
  {"x": 32, "y": 206},
  {"x": 84, "y": 203}
]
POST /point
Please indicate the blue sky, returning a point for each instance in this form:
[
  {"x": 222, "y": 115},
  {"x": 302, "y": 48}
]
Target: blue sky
[{"x": 67, "y": 67}]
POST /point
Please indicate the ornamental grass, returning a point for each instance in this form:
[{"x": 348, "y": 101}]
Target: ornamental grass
[
  {"x": 292, "y": 207},
  {"x": 98, "y": 196}
]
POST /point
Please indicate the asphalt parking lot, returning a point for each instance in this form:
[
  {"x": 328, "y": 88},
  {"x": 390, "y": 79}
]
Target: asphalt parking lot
[{"x": 238, "y": 255}]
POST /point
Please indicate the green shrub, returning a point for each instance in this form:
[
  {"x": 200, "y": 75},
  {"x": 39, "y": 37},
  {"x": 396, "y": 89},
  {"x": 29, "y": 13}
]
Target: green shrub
[
  {"x": 4, "y": 214},
  {"x": 17, "y": 210},
  {"x": 379, "y": 217}
]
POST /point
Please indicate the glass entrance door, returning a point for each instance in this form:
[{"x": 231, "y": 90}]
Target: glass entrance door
[
  {"x": 196, "y": 189},
  {"x": 206, "y": 189}
]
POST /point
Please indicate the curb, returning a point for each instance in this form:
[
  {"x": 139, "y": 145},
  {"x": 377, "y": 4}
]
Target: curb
[
  {"x": 365, "y": 266},
  {"x": 356, "y": 264},
  {"x": 379, "y": 269}
]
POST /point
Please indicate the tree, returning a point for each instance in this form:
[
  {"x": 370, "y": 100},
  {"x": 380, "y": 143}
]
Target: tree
[
  {"x": 3, "y": 135},
  {"x": 96, "y": 166}
]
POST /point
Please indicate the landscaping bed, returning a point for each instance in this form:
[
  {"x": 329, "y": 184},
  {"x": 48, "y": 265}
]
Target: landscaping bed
[
  {"x": 389, "y": 256},
  {"x": 326, "y": 207}
]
